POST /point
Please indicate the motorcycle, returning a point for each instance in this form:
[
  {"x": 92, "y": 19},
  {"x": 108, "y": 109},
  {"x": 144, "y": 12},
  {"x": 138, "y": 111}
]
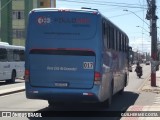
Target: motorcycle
[
  {"x": 139, "y": 74},
  {"x": 139, "y": 71}
]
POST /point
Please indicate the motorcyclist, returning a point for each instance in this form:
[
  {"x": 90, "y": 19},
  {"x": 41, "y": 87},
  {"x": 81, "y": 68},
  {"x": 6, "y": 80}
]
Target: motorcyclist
[{"x": 139, "y": 69}]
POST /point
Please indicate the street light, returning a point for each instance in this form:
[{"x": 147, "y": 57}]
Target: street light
[
  {"x": 142, "y": 34},
  {"x": 136, "y": 15},
  {"x": 143, "y": 29}
]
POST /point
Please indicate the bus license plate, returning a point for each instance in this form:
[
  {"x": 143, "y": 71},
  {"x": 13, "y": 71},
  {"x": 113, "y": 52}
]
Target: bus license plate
[{"x": 61, "y": 84}]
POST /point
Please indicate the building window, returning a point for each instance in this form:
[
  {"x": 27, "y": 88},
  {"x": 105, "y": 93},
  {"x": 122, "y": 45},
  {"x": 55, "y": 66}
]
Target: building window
[
  {"x": 41, "y": 4},
  {"x": 18, "y": 33},
  {"x": 18, "y": 14}
]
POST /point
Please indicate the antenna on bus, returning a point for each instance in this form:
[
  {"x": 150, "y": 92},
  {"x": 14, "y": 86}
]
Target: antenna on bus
[
  {"x": 88, "y": 8},
  {"x": 85, "y": 8}
]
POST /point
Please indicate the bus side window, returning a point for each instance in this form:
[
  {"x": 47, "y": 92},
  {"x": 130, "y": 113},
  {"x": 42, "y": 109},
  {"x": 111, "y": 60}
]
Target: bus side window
[
  {"x": 16, "y": 56},
  {"x": 21, "y": 55},
  {"x": 111, "y": 40},
  {"x": 105, "y": 35},
  {"x": 3, "y": 54},
  {"x": 10, "y": 55}
]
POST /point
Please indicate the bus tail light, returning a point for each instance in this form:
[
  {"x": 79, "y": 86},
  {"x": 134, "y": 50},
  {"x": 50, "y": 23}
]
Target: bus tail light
[
  {"x": 97, "y": 78},
  {"x": 26, "y": 77}
]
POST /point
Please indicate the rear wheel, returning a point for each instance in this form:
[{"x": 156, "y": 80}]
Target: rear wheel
[
  {"x": 108, "y": 102},
  {"x": 53, "y": 103},
  {"x": 125, "y": 84},
  {"x": 13, "y": 77},
  {"x": 121, "y": 91}
]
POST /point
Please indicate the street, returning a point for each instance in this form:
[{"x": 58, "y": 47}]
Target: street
[{"x": 131, "y": 96}]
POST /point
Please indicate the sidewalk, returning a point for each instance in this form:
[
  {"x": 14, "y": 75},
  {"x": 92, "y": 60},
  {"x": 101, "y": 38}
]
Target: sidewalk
[
  {"x": 147, "y": 86},
  {"x": 7, "y": 89},
  {"x": 146, "y": 112}
]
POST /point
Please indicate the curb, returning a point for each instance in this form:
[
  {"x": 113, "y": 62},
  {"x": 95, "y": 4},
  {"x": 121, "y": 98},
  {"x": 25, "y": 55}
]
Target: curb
[
  {"x": 142, "y": 85},
  {"x": 11, "y": 91},
  {"x": 146, "y": 86}
]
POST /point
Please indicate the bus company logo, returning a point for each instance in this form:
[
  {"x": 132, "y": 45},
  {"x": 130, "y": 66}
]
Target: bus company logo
[
  {"x": 44, "y": 20},
  {"x": 7, "y": 66}
]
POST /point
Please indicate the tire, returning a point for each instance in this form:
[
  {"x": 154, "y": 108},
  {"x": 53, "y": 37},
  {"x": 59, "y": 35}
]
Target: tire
[
  {"x": 13, "y": 77},
  {"x": 125, "y": 84},
  {"x": 51, "y": 103},
  {"x": 107, "y": 103},
  {"x": 121, "y": 91}
]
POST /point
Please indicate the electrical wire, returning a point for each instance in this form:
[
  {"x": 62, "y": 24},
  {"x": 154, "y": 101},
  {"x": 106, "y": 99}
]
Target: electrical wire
[
  {"x": 98, "y": 3},
  {"x": 117, "y": 3},
  {"x": 124, "y": 14}
]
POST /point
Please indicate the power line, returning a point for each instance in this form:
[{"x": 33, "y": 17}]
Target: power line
[
  {"x": 118, "y": 3},
  {"x": 137, "y": 16},
  {"x": 124, "y": 14},
  {"x": 98, "y": 3}
]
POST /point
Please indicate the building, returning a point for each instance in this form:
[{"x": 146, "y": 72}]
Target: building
[{"x": 15, "y": 12}]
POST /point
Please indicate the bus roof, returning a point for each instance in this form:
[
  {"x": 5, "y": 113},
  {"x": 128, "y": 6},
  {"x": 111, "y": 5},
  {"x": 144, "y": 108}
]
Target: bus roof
[
  {"x": 4, "y": 43},
  {"x": 11, "y": 46},
  {"x": 17, "y": 47},
  {"x": 89, "y": 10}
]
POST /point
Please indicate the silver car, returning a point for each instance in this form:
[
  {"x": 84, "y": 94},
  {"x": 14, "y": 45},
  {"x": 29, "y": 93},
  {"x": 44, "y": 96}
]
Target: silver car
[
  {"x": 147, "y": 62},
  {"x": 130, "y": 68}
]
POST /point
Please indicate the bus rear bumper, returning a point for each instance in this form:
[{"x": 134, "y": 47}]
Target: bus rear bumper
[{"x": 63, "y": 95}]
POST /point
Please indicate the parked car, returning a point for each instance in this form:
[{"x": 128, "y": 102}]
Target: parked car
[
  {"x": 147, "y": 62},
  {"x": 130, "y": 68}
]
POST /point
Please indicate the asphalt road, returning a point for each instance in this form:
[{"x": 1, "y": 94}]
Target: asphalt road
[
  {"x": 134, "y": 82},
  {"x": 131, "y": 96}
]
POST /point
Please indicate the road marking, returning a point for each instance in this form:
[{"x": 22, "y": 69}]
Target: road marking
[
  {"x": 157, "y": 99},
  {"x": 147, "y": 79},
  {"x": 11, "y": 90}
]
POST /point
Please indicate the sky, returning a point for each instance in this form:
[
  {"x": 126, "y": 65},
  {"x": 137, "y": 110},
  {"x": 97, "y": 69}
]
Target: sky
[{"x": 139, "y": 37}]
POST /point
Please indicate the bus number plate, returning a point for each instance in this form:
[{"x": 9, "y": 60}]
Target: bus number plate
[
  {"x": 87, "y": 65},
  {"x": 61, "y": 84}
]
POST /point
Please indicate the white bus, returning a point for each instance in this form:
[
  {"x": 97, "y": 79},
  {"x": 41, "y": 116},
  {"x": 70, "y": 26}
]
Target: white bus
[{"x": 11, "y": 62}]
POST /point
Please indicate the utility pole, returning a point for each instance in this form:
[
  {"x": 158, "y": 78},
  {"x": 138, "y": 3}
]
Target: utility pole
[
  {"x": 28, "y": 7},
  {"x": 6, "y": 21},
  {"x": 151, "y": 15}
]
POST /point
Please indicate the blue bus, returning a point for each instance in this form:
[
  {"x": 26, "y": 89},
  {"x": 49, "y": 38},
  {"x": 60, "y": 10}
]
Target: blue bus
[{"x": 74, "y": 55}]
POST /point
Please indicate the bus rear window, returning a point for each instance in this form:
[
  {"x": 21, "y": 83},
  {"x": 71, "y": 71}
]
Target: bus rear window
[{"x": 63, "y": 25}]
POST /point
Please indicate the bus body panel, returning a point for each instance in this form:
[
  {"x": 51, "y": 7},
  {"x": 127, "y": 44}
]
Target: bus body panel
[
  {"x": 62, "y": 71},
  {"x": 6, "y": 69},
  {"x": 67, "y": 29},
  {"x": 20, "y": 68}
]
